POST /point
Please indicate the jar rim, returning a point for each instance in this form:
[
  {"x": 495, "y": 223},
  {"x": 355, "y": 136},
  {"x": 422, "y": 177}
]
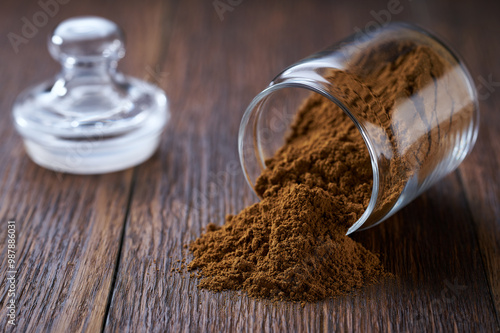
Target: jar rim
[{"x": 315, "y": 88}]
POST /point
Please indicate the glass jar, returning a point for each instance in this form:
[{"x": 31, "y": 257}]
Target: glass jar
[{"x": 409, "y": 95}]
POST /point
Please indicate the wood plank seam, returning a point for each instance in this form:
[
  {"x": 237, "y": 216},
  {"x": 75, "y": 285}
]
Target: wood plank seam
[
  {"x": 476, "y": 236},
  {"x": 120, "y": 247}
]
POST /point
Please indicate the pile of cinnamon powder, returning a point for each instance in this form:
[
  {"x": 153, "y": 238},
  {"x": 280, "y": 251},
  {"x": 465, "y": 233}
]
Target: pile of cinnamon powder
[{"x": 292, "y": 244}]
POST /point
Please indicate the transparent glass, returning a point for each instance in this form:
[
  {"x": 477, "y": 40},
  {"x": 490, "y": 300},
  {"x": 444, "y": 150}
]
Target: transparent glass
[
  {"x": 90, "y": 118},
  {"x": 413, "y": 141}
]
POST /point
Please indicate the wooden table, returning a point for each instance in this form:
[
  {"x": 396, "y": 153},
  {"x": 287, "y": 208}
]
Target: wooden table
[{"x": 96, "y": 252}]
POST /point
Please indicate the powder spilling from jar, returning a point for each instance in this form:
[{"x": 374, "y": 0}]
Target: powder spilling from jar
[{"x": 292, "y": 245}]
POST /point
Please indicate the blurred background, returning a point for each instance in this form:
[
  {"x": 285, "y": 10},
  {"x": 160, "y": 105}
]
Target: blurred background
[{"x": 212, "y": 57}]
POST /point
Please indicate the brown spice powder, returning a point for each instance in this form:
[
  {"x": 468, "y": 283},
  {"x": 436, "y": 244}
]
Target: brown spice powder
[{"x": 292, "y": 244}]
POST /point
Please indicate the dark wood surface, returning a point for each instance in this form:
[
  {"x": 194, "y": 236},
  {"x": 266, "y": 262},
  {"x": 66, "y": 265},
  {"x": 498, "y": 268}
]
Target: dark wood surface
[{"x": 95, "y": 253}]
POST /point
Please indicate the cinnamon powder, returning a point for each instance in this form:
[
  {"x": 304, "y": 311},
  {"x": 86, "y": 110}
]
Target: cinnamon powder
[{"x": 292, "y": 245}]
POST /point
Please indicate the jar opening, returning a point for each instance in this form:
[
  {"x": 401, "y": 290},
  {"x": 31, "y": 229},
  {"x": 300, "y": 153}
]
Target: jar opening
[{"x": 267, "y": 123}]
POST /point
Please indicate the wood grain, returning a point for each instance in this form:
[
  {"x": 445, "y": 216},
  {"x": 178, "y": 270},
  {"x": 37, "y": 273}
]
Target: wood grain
[
  {"x": 69, "y": 227},
  {"x": 96, "y": 253},
  {"x": 442, "y": 284},
  {"x": 480, "y": 173}
]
